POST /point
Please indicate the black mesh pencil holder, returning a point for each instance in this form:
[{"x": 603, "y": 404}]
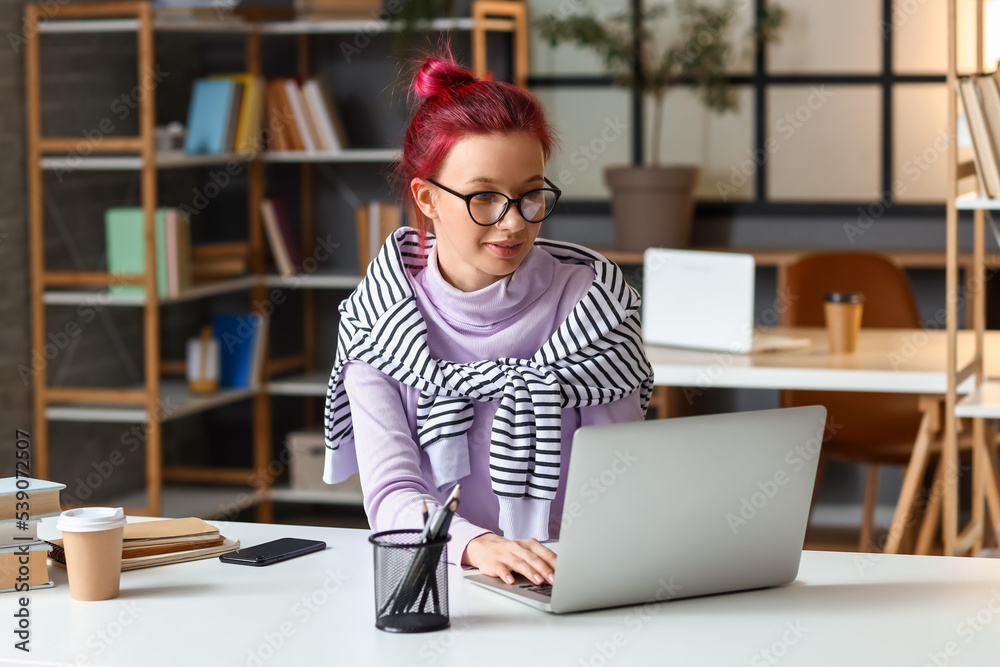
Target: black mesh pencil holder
[{"x": 411, "y": 582}]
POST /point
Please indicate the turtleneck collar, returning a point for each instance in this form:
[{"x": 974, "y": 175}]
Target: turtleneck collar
[{"x": 494, "y": 303}]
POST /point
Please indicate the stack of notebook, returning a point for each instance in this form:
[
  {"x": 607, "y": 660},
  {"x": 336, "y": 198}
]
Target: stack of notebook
[
  {"x": 151, "y": 543},
  {"x": 19, "y": 516}
]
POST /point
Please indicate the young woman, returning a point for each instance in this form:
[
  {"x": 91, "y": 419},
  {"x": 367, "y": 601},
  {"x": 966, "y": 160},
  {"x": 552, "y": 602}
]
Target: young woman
[{"x": 473, "y": 350}]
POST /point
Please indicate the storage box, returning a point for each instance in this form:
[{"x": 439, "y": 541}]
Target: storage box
[{"x": 308, "y": 451}]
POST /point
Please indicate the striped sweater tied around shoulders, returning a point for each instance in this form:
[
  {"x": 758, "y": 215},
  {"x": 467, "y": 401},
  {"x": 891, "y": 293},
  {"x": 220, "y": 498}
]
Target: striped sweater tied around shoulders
[{"x": 595, "y": 356}]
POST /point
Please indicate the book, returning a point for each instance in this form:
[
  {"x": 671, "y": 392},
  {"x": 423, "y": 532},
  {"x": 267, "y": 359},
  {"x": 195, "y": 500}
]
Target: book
[
  {"x": 248, "y": 121},
  {"x": 237, "y": 335},
  {"x": 11, "y": 561},
  {"x": 149, "y": 538},
  {"x": 209, "y": 114},
  {"x": 325, "y": 114},
  {"x": 287, "y": 235},
  {"x": 375, "y": 221},
  {"x": 14, "y": 532},
  {"x": 43, "y": 497},
  {"x": 287, "y": 114},
  {"x": 232, "y": 121},
  {"x": 311, "y": 121},
  {"x": 124, "y": 230},
  {"x": 136, "y": 562},
  {"x": 221, "y": 249},
  {"x": 294, "y": 97},
  {"x": 173, "y": 278},
  {"x": 183, "y": 242},
  {"x": 259, "y": 348},
  {"x": 272, "y": 118},
  {"x": 167, "y": 531},
  {"x": 218, "y": 268},
  {"x": 985, "y": 158},
  {"x": 275, "y": 238},
  {"x": 989, "y": 98}
]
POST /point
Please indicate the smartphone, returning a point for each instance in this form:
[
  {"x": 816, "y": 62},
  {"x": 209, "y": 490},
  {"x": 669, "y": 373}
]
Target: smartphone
[{"x": 273, "y": 551}]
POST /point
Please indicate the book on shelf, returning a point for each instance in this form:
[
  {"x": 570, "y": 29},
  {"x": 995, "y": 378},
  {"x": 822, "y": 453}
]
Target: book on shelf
[
  {"x": 42, "y": 498},
  {"x": 219, "y": 260},
  {"x": 985, "y": 155},
  {"x": 280, "y": 237},
  {"x": 248, "y": 119},
  {"x": 204, "y": 251},
  {"x": 989, "y": 98},
  {"x": 162, "y": 542},
  {"x": 12, "y": 579},
  {"x": 330, "y": 127},
  {"x": 241, "y": 342},
  {"x": 294, "y": 96},
  {"x": 375, "y": 221},
  {"x": 124, "y": 229},
  {"x": 212, "y": 114},
  {"x": 274, "y": 117},
  {"x": 302, "y": 117},
  {"x": 219, "y": 268},
  {"x": 288, "y": 125}
]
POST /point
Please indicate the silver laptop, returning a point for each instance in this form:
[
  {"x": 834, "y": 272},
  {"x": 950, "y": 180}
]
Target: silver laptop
[
  {"x": 674, "y": 508},
  {"x": 704, "y": 300}
]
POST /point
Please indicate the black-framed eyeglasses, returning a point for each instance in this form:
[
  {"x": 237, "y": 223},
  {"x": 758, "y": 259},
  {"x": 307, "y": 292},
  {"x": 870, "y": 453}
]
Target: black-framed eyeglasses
[{"x": 488, "y": 208}]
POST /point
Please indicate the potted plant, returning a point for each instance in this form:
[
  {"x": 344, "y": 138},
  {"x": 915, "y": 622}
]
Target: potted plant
[{"x": 652, "y": 204}]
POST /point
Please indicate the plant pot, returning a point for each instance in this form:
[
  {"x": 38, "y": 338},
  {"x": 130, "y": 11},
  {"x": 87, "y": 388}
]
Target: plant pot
[{"x": 652, "y": 206}]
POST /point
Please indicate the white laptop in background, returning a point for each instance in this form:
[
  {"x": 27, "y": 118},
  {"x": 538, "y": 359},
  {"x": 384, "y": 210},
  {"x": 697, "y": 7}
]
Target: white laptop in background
[
  {"x": 703, "y": 300},
  {"x": 674, "y": 508}
]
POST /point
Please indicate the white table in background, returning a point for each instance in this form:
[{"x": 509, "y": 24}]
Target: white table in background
[
  {"x": 844, "y": 609},
  {"x": 886, "y": 360}
]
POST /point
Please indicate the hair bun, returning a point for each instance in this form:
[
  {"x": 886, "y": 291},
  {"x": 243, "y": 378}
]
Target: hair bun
[{"x": 438, "y": 74}]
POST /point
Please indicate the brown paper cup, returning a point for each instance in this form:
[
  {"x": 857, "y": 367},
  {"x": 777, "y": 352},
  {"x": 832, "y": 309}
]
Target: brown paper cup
[
  {"x": 843, "y": 321},
  {"x": 92, "y": 540}
]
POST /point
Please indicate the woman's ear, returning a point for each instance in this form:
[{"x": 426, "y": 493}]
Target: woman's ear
[{"x": 424, "y": 198}]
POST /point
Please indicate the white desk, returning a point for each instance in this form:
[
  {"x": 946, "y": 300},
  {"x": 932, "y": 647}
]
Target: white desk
[
  {"x": 848, "y": 609},
  {"x": 887, "y": 360}
]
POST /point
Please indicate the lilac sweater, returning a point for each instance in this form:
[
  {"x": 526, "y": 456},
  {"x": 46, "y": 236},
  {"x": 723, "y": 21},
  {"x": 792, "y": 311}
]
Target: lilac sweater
[{"x": 512, "y": 317}]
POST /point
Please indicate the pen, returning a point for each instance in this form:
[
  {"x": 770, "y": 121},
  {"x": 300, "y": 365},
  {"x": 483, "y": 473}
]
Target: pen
[{"x": 423, "y": 510}]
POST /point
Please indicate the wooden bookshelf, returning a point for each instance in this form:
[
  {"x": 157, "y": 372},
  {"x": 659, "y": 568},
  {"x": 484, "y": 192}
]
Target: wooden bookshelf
[{"x": 294, "y": 375}]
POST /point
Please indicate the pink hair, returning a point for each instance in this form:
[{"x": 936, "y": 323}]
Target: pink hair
[{"x": 454, "y": 103}]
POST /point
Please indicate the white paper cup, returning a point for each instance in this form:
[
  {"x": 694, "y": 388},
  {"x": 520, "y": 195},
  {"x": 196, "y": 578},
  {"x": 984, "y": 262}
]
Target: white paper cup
[{"x": 92, "y": 540}]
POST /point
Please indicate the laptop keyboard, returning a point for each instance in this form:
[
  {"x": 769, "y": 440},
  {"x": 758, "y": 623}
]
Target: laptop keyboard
[{"x": 544, "y": 589}]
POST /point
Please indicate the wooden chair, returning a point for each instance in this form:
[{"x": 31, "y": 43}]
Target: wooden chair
[{"x": 873, "y": 429}]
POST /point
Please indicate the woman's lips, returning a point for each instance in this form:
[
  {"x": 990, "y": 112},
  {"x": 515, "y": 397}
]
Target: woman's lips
[{"x": 505, "y": 249}]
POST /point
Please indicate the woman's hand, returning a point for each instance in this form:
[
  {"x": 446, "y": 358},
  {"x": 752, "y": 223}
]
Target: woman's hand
[{"x": 498, "y": 557}]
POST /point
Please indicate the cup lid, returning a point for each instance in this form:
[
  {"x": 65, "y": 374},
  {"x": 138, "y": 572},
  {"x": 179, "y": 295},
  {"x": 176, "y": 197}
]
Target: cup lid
[
  {"x": 91, "y": 519},
  {"x": 845, "y": 297}
]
